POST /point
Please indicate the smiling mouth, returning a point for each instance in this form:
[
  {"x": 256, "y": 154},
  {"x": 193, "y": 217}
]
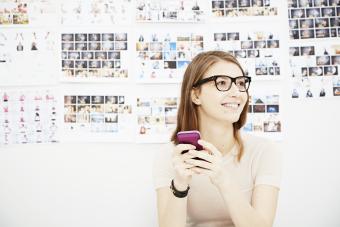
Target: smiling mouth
[{"x": 231, "y": 105}]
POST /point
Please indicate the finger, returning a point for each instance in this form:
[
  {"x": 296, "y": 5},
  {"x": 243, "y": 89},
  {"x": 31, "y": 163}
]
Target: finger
[
  {"x": 203, "y": 155},
  {"x": 200, "y": 163},
  {"x": 183, "y": 147},
  {"x": 188, "y": 155},
  {"x": 178, "y": 160},
  {"x": 182, "y": 165},
  {"x": 209, "y": 147},
  {"x": 195, "y": 170},
  {"x": 187, "y": 166},
  {"x": 202, "y": 171}
]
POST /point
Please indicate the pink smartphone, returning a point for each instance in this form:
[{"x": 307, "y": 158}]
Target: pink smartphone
[{"x": 189, "y": 137}]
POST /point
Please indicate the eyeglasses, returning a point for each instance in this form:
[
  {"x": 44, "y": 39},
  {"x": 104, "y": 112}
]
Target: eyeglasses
[{"x": 224, "y": 82}]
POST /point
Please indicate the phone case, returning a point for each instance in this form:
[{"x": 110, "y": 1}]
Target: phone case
[{"x": 189, "y": 137}]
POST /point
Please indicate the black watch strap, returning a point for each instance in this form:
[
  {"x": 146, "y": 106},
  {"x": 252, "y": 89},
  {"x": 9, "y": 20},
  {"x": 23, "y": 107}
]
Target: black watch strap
[{"x": 178, "y": 194}]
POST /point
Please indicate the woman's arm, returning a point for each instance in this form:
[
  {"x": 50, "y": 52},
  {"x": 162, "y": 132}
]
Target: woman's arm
[
  {"x": 261, "y": 211},
  {"x": 172, "y": 211}
]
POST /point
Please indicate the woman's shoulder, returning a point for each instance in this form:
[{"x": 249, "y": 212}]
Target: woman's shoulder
[
  {"x": 264, "y": 157},
  {"x": 253, "y": 140},
  {"x": 257, "y": 144}
]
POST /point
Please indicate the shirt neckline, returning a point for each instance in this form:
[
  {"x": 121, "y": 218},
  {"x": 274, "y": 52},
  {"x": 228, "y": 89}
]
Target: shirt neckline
[{"x": 232, "y": 153}]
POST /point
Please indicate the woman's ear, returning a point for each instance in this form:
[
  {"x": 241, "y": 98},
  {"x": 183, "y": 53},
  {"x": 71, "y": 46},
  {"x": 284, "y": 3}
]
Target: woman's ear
[{"x": 195, "y": 96}]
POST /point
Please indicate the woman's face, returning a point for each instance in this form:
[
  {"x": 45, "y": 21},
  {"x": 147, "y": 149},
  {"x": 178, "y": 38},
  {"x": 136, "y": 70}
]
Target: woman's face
[{"x": 223, "y": 106}]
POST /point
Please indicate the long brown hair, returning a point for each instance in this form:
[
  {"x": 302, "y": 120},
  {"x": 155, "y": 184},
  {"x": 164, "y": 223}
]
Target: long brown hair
[{"x": 187, "y": 116}]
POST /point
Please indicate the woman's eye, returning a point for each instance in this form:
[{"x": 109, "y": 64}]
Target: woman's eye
[
  {"x": 241, "y": 83},
  {"x": 222, "y": 82}
]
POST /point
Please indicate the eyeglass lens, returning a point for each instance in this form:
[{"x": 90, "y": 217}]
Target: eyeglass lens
[{"x": 224, "y": 83}]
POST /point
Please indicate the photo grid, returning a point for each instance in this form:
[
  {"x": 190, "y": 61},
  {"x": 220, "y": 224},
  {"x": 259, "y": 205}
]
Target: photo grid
[
  {"x": 32, "y": 12},
  {"x": 95, "y": 12},
  {"x": 258, "y": 52},
  {"x": 264, "y": 115},
  {"x": 312, "y": 19},
  {"x": 28, "y": 116},
  {"x": 169, "y": 11},
  {"x": 12, "y": 13},
  {"x": 94, "y": 55},
  {"x": 164, "y": 57},
  {"x": 313, "y": 69},
  {"x": 96, "y": 113},
  {"x": 27, "y": 57},
  {"x": 336, "y": 86},
  {"x": 157, "y": 118},
  {"x": 241, "y": 8}
]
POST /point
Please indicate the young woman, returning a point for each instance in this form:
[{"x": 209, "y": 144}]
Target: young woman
[{"x": 237, "y": 183}]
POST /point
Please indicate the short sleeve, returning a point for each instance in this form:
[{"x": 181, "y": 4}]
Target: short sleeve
[
  {"x": 268, "y": 165},
  {"x": 163, "y": 171}
]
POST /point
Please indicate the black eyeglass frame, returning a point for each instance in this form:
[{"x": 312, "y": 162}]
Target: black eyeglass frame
[{"x": 215, "y": 77}]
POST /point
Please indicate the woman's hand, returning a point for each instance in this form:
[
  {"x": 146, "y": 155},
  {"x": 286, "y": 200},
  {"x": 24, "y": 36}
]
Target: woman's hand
[
  {"x": 183, "y": 170},
  {"x": 211, "y": 166}
]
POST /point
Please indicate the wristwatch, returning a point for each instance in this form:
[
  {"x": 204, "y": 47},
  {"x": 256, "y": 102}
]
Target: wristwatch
[{"x": 178, "y": 194}]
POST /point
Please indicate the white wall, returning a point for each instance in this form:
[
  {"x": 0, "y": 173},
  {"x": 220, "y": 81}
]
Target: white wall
[
  {"x": 77, "y": 185},
  {"x": 111, "y": 185},
  {"x": 311, "y": 183}
]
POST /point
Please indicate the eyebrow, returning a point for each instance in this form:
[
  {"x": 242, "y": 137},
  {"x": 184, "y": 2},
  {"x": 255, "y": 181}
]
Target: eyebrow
[{"x": 225, "y": 75}]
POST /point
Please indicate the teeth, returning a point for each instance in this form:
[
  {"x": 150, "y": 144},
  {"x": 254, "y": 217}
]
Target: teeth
[{"x": 231, "y": 105}]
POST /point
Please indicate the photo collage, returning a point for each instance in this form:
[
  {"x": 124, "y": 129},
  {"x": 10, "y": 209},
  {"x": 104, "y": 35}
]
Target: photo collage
[
  {"x": 27, "y": 49},
  {"x": 72, "y": 44},
  {"x": 258, "y": 51},
  {"x": 12, "y": 13},
  {"x": 31, "y": 12},
  {"x": 264, "y": 115},
  {"x": 163, "y": 57},
  {"x": 95, "y": 12},
  {"x": 309, "y": 19},
  {"x": 314, "y": 68},
  {"x": 336, "y": 86},
  {"x": 28, "y": 116},
  {"x": 94, "y": 115},
  {"x": 169, "y": 11},
  {"x": 241, "y": 8},
  {"x": 157, "y": 118},
  {"x": 94, "y": 55}
]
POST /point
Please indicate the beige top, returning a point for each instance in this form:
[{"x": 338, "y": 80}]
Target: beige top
[{"x": 260, "y": 164}]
